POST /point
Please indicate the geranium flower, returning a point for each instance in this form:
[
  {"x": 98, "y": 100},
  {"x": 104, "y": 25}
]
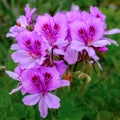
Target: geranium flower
[
  {"x": 23, "y": 23},
  {"x": 39, "y": 84},
  {"x": 88, "y": 34},
  {"x": 53, "y": 30},
  {"x": 31, "y": 49}
]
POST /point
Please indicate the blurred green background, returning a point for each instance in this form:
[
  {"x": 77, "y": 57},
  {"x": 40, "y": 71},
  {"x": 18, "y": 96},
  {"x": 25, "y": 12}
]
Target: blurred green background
[{"x": 100, "y": 99}]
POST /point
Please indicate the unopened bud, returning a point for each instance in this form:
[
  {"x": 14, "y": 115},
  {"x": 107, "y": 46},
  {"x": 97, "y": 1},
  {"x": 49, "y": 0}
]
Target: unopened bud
[
  {"x": 82, "y": 76},
  {"x": 88, "y": 79},
  {"x": 2, "y": 70}
]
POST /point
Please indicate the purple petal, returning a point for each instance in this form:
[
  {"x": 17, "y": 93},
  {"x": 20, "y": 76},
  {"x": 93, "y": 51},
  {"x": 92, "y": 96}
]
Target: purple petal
[
  {"x": 61, "y": 43},
  {"x": 91, "y": 53},
  {"x": 14, "y": 31},
  {"x": 61, "y": 20},
  {"x": 101, "y": 43},
  {"x": 52, "y": 101},
  {"x": 23, "y": 91},
  {"x": 42, "y": 20},
  {"x": 28, "y": 84},
  {"x": 73, "y": 16},
  {"x": 31, "y": 99},
  {"x": 33, "y": 10},
  {"x": 102, "y": 49},
  {"x": 75, "y": 7},
  {"x": 22, "y": 20},
  {"x": 113, "y": 31},
  {"x": 74, "y": 30},
  {"x": 12, "y": 75},
  {"x": 11, "y": 35},
  {"x": 65, "y": 83},
  {"x": 77, "y": 45},
  {"x": 22, "y": 57},
  {"x": 84, "y": 15},
  {"x": 15, "y": 89},
  {"x": 28, "y": 12},
  {"x": 98, "y": 26},
  {"x": 71, "y": 55},
  {"x": 55, "y": 80},
  {"x": 43, "y": 107},
  {"x": 97, "y": 13},
  {"x": 61, "y": 67},
  {"x": 15, "y": 47},
  {"x": 111, "y": 41},
  {"x": 58, "y": 52}
]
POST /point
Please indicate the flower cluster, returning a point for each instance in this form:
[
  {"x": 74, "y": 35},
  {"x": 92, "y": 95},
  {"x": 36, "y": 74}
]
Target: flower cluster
[{"x": 46, "y": 45}]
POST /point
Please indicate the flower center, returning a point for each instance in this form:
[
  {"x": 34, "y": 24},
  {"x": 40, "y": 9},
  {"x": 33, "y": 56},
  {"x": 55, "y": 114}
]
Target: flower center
[{"x": 89, "y": 41}]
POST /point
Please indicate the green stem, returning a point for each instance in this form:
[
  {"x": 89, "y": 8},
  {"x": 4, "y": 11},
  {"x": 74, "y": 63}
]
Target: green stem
[
  {"x": 75, "y": 66},
  {"x": 82, "y": 89}
]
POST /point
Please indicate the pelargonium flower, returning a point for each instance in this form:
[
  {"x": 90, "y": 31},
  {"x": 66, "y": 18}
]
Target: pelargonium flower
[
  {"x": 98, "y": 14},
  {"x": 53, "y": 30},
  {"x": 88, "y": 34},
  {"x": 38, "y": 82},
  {"x": 45, "y": 44},
  {"x": 23, "y": 23},
  {"x": 31, "y": 49},
  {"x": 16, "y": 75}
]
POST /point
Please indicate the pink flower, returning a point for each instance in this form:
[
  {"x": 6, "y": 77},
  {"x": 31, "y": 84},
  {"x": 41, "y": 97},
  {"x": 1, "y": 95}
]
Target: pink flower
[
  {"x": 88, "y": 34},
  {"x": 30, "y": 49},
  {"x": 39, "y": 84},
  {"x": 23, "y": 23},
  {"x": 53, "y": 30}
]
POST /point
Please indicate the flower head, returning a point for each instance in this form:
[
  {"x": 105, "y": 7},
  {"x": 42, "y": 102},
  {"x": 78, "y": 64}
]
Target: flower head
[
  {"x": 87, "y": 35},
  {"x": 53, "y": 30},
  {"x": 39, "y": 84},
  {"x": 22, "y": 23},
  {"x": 30, "y": 50}
]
